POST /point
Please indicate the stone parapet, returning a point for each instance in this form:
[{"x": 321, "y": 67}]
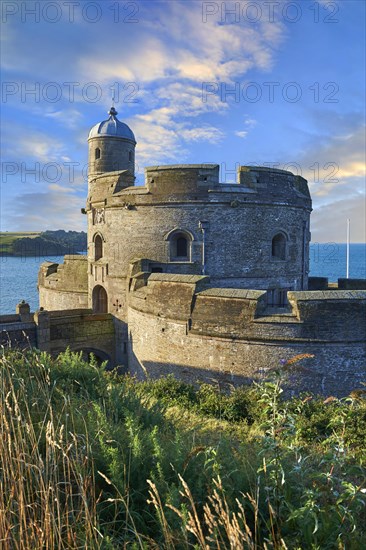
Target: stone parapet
[
  {"x": 64, "y": 285},
  {"x": 352, "y": 284},
  {"x": 228, "y": 335},
  {"x": 329, "y": 316}
]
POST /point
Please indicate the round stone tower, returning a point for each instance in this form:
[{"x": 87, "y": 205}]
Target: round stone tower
[
  {"x": 111, "y": 146},
  {"x": 250, "y": 235}
]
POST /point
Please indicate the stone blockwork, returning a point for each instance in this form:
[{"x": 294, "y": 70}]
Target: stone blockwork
[
  {"x": 64, "y": 286},
  {"x": 138, "y": 222},
  {"x": 54, "y": 331},
  {"x": 228, "y": 335},
  {"x": 84, "y": 331},
  {"x": 18, "y": 330},
  {"x": 203, "y": 279}
]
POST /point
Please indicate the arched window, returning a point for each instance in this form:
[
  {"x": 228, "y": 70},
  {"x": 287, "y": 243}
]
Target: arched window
[
  {"x": 98, "y": 247},
  {"x": 97, "y": 153},
  {"x": 279, "y": 246},
  {"x": 100, "y": 300},
  {"x": 180, "y": 246},
  {"x": 130, "y": 156}
]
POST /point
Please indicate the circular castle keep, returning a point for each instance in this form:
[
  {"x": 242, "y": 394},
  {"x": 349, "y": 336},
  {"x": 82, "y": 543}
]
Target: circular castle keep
[
  {"x": 253, "y": 234},
  {"x": 203, "y": 279}
]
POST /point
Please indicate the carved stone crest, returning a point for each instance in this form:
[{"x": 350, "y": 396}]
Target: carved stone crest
[{"x": 98, "y": 216}]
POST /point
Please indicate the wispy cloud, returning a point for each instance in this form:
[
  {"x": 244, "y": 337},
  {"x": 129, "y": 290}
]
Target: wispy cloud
[
  {"x": 168, "y": 56},
  {"x": 328, "y": 222},
  {"x": 333, "y": 161},
  {"x": 241, "y": 133},
  {"x": 22, "y": 144},
  {"x": 40, "y": 211},
  {"x": 334, "y": 165},
  {"x": 249, "y": 124}
]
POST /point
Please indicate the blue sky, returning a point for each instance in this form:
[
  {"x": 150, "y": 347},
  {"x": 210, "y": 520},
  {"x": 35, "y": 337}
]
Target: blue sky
[{"x": 270, "y": 83}]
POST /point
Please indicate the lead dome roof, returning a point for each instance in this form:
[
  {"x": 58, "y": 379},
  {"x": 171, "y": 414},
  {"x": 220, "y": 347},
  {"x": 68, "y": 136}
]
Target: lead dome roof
[{"x": 112, "y": 127}]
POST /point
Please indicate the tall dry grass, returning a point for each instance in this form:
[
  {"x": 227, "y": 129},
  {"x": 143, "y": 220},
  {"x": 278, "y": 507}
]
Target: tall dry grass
[
  {"x": 47, "y": 495},
  {"x": 89, "y": 460}
]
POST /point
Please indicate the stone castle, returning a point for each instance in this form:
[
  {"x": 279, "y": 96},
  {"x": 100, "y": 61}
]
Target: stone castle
[{"x": 202, "y": 279}]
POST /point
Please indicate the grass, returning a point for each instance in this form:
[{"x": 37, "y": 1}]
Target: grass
[
  {"x": 90, "y": 459},
  {"x": 7, "y": 239}
]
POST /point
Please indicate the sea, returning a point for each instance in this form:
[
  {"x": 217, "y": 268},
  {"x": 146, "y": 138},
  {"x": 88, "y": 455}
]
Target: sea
[{"x": 18, "y": 275}]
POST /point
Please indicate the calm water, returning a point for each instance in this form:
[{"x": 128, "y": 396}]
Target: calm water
[
  {"x": 18, "y": 276},
  {"x": 18, "y": 281},
  {"x": 329, "y": 260}
]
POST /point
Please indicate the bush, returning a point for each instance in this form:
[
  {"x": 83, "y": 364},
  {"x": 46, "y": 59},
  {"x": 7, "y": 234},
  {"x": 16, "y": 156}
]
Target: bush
[
  {"x": 170, "y": 391},
  {"x": 91, "y": 459}
]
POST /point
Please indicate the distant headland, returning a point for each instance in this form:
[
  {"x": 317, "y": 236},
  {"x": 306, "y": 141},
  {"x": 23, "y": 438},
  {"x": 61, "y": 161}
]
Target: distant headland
[{"x": 46, "y": 243}]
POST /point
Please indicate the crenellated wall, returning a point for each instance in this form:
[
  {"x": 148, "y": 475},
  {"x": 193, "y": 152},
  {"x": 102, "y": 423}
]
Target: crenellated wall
[
  {"x": 178, "y": 326},
  {"x": 64, "y": 286},
  {"x": 137, "y": 222}
]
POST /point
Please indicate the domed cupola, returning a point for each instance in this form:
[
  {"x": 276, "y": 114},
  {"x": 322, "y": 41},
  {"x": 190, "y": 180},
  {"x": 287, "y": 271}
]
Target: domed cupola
[
  {"x": 112, "y": 127},
  {"x": 111, "y": 146}
]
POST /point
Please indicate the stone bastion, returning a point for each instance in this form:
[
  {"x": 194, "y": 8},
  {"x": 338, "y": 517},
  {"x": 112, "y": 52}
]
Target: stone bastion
[{"x": 178, "y": 324}]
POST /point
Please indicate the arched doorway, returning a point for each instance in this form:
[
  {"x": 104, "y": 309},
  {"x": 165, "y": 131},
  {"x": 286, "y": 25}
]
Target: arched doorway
[{"x": 100, "y": 300}]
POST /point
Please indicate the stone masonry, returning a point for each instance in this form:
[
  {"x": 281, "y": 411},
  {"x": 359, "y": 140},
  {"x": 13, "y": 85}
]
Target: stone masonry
[{"x": 200, "y": 278}]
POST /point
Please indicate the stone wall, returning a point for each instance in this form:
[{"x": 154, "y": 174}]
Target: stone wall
[
  {"x": 352, "y": 284},
  {"x": 137, "y": 222},
  {"x": 19, "y": 330},
  {"x": 228, "y": 336},
  {"x": 115, "y": 154},
  {"x": 16, "y": 333},
  {"x": 322, "y": 283},
  {"x": 81, "y": 330},
  {"x": 54, "y": 331},
  {"x": 64, "y": 286}
]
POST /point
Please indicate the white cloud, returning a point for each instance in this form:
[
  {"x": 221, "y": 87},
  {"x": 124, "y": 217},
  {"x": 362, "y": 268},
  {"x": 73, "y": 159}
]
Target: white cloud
[
  {"x": 241, "y": 134},
  {"x": 328, "y": 222},
  {"x": 23, "y": 144},
  {"x": 168, "y": 55},
  {"x": 204, "y": 133},
  {"x": 69, "y": 118},
  {"x": 250, "y": 122},
  {"x": 331, "y": 162},
  {"x": 60, "y": 188},
  {"x": 41, "y": 211},
  {"x": 334, "y": 165}
]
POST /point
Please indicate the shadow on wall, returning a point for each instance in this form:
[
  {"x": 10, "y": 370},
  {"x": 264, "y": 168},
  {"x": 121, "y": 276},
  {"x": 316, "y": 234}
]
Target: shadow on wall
[
  {"x": 22, "y": 339},
  {"x": 299, "y": 380},
  {"x": 301, "y": 372}
]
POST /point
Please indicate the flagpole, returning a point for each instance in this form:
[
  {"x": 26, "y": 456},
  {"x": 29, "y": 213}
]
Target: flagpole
[{"x": 347, "y": 254}]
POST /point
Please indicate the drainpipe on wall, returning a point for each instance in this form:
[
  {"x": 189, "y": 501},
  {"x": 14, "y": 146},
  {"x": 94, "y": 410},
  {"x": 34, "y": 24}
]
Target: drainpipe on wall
[{"x": 203, "y": 226}]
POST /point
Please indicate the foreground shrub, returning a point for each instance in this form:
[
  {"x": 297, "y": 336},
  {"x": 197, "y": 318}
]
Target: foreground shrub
[{"x": 90, "y": 459}]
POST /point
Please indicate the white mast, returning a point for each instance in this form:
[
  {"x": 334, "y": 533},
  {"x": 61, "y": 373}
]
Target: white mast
[{"x": 347, "y": 253}]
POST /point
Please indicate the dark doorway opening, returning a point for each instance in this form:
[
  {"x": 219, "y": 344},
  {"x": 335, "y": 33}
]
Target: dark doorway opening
[{"x": 100, "y": 300}]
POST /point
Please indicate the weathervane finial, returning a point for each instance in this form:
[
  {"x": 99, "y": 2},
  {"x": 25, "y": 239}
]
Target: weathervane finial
[{"x": 112, "y": 111}]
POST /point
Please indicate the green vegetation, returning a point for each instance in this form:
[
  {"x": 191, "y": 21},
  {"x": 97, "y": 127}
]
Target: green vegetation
[
  {"x": 90, "y": 459},
  {"x": 7, "y": 239},
  {"x": 47, "y": 243}
]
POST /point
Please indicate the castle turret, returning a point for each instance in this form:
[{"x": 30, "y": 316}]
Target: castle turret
[{"x": 111, "y": 146}]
